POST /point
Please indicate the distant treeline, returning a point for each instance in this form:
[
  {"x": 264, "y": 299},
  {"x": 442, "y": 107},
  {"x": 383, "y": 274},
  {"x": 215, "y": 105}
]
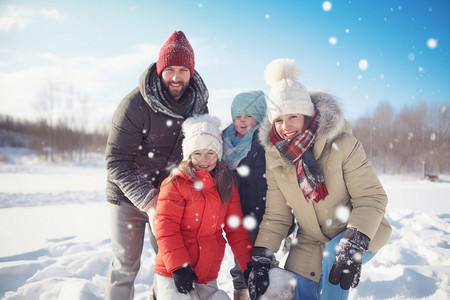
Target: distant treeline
[
  {"x": 51, "y": 141},
  {"x": 414, "y": 139}
]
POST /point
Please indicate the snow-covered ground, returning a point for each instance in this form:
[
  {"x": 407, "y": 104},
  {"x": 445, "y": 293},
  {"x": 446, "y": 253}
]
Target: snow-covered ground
[{"x": 55, "y": 239}]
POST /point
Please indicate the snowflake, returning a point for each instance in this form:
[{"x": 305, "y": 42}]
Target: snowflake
[
  {"x": 343, "y": 213},
  {"x": 233, "y": 221},
  {"x": 243, "y": 171},
  {"x": 250, "y": 223}
]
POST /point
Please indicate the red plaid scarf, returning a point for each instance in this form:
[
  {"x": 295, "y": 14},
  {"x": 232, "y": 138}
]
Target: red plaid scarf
[{"x": 299, "y": 151}]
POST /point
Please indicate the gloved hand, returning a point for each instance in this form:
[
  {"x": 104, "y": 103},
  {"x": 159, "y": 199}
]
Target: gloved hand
[
  {"x": 184, "y": 279},
  {"x": 257, "y": 273},
  {"x": 346, "y": 269}
]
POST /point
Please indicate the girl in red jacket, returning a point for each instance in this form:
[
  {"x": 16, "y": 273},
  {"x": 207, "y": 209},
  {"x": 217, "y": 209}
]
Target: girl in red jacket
[{"x": 197, "y": 203}]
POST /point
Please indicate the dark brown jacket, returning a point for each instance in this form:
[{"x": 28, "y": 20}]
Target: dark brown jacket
[{"x": 144, "y": 142}]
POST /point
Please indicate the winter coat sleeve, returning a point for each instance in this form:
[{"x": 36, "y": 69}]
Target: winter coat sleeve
[
  {"x": 368, "y": 197},
  {"x": 277, "y": 217},
  {"x": 238, "y": 237},
  {"x": 168, "y": 217},
  {"x": 125, "y": 137}
]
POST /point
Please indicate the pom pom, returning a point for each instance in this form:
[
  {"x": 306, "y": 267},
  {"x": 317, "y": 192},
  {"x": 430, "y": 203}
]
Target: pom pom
[
  {"x": 200, "y": 122},
  {"x": 281, "y": 69}
]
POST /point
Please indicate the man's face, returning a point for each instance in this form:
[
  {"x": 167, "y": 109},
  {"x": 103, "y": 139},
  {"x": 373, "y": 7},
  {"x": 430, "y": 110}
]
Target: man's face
[{"x": 176, "y": 80}]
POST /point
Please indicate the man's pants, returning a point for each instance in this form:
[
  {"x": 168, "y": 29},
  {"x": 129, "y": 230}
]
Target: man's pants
[{"x": 127, "y": 240}]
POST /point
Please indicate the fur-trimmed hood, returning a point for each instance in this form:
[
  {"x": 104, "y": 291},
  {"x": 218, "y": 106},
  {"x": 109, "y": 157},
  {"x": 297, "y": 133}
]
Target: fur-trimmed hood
[{"x": 331, "y": 120}]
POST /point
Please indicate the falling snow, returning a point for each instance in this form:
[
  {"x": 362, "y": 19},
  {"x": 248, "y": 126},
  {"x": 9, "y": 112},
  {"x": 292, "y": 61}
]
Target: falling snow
[
  {"x": 363, "y": 64},
  {"x": 250, "y": 223},
  {"x": 243, "y": 170},
  {"x": 233, "y": 221},
  {"x": 342, "y": 213},
  {"x": 332, "y": 40},
  {"x": 326, "y": 6},
  {"x": 198, "y": 185},
  {"x": 432, "y": 43}
]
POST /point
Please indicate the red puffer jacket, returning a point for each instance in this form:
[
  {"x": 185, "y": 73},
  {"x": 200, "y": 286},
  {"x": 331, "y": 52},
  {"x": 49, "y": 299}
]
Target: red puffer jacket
[{"x": 189, "y": 222}]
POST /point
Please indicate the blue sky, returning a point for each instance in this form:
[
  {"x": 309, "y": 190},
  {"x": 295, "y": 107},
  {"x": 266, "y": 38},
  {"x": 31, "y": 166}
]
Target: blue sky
[{"x": 87, "y": 55}]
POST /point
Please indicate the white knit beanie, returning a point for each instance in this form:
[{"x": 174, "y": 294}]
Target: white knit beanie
[
  {"x": 287, "y": 95},
  {"x": 202, "y": 132}
]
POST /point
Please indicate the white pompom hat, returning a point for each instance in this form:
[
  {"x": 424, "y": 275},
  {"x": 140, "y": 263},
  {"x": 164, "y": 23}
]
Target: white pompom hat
[
  {"x": 287, "y": 95},
  {"x": 202, "y": 132}
]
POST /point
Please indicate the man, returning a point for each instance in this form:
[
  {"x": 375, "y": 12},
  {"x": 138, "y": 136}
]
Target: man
[{"x": 144, "y": 144}]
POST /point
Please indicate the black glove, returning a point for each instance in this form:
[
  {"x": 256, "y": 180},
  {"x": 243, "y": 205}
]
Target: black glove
[
  {"x": 257, "y": 273},
  {"x": 347, "y": 265},
  {"x": 184, "y": 279}
]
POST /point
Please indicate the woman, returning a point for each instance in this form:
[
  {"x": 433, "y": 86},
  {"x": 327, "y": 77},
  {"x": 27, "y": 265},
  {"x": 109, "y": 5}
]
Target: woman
[
  {"x": 196, "y": 204},
  {"x": 317, "y": 172}
]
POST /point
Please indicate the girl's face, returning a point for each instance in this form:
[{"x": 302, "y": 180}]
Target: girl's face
[
  {"x": 243, "y": 123},
  {"x": 204, "y": 159},
  {"x": 288, "y": 126}
]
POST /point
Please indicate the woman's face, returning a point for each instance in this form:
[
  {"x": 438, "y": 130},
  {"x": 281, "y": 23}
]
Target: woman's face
[
  {"x": 288, "y": 126},
  {"x": 204, "y": 159},
  {"x": 243, "y": 123}
]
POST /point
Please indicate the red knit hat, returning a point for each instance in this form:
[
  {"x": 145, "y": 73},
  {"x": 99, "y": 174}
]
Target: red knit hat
[{"x": 177, "y": 51}]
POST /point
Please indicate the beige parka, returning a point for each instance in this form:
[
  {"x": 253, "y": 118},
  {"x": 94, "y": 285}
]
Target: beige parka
[{"x": 350, "y": 181}]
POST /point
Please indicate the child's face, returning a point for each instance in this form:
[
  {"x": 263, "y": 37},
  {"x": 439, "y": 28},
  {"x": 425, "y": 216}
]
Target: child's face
[
  {"x": 204, "y": 159},
  {"x": 288, "y": 126},
  {"x": 243, "y": 123}
]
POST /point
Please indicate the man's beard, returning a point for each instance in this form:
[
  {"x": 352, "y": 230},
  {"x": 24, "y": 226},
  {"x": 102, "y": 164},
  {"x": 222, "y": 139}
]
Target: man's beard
[{"x": 177, "y": 93}]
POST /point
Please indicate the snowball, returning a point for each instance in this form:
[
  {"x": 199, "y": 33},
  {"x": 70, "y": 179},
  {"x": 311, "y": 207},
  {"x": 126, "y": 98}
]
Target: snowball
[
  {"x": 140, "y": 147},
  {"x": 250, "y": 223},
  {"x": 343, "y": 213},
  {"x": 432, "y": 43},
  {"x": 332, "y": 40},
  {"x": 363, "y": 64},
  {"x": 151, "y": 155},
  {"x": 169, "y": 123},
  {"x": 243, "y": 170},
  {"x": 130, "y": 226},
  {"x": 233, "y": 221},
  {"x": 326, "y": 5}
]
